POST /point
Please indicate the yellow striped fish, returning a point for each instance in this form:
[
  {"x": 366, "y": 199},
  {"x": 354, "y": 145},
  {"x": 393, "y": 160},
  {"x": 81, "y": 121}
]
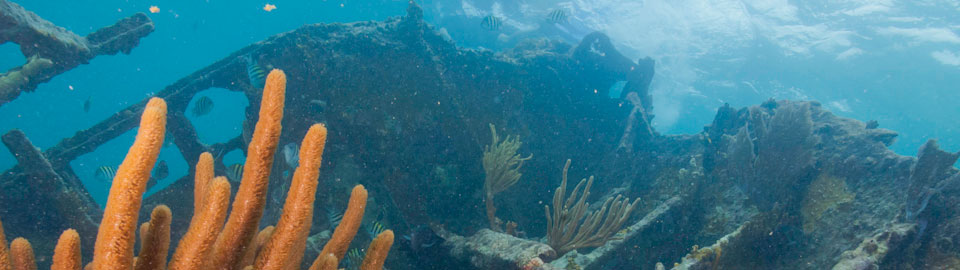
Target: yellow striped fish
[
  {"x": 106, "y": 173},
  {"x": 235, "y": 172},
  {"x": 334, "y": 217},
  {"x": 255, "y": 74},
  {"x": 557, "y": 16},
  {"x": 492, "y": 23},
  {"x": 202, "y": 106},
  {"x": 354, "y": 258},
  {"x": 375, "y": 228}
]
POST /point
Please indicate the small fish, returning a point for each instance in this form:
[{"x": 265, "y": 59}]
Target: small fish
[
  {"x": 354, "y": 258},
  {"x": 291, "y": 154},
  {"x": 557, "y": 16},
  {"x": 161, "y": 170},
  {"x": 492, "y": 23},
  {"x": 106, "y": 173},
  {"x": 334, "y": 217},
  {"x": 318, "y": 104},
  {"x": 421, "y": 237},
  {"x": 235, "y": 172},
  {"x": 375, "y": 228},
  {"x": 86, "y": 105},
  {"x": 154, "y": 9},
  {"x": 202, "y": 106},
  {"x": 255, "y": 74}
]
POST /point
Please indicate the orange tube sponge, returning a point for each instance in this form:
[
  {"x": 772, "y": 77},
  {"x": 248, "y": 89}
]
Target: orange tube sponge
[
  {"x": 197, "y": 243},
  {"x": 155, "y": 242},
  {"x": 116, "y": 237},
  {"x": 325, "y": 262},
  {"x": 21, "y": 252},
  {"x": 66, "y": 256},
  {"x": 347, "y": 229},
  {"x": 285, "y": 248},
  {"x": 377, "y": 253},
  {"x": 202, "y": 178},
  {"x": 248, "y": 205},
  {"x": 144, "y": 234},
  {"x": 256, "y": 245},
  {"x": 4, "y": 254}
]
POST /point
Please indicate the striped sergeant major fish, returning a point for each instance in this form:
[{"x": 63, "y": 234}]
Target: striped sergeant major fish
[
  {"x": 375, "y": 228},
  {"x": 354, "y": 258},
  {"x": 557, "y": 16},
  {"x": 235, "y": 172},
  {"x": 106, "y": 173},
  {"x": 255, "y": 74},
  {"x": 202, "y": 106},
  {"x": 492, "y": 23},
  {"x": 334, "y": 217}
]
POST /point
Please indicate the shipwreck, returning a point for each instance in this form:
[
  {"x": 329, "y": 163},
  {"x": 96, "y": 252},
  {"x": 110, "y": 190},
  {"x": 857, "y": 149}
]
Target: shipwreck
[{"x": 409, "y": 114}]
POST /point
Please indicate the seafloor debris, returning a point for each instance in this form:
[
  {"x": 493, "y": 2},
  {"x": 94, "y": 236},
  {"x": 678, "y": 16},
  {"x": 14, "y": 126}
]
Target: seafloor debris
[
  {"x": 870, "y": 254},
  {"x": 51, "y": 50},
  {"x": 487, "y": 249}
]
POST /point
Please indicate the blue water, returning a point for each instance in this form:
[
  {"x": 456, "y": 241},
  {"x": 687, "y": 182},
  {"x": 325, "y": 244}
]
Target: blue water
[
  {"x": 189, "y": 35},
  {"x": 895, "y": 62}
]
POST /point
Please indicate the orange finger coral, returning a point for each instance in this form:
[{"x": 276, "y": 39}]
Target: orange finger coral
[
  {"x": 377, "y": 253},
  {"x": 155, "y": 240},
  {"x": 21, "y": 253},
  {"x": 202, "y": 178},
  {"x": 349, "y": 225},
  {"x": 66, "y": 256},
  {"x": 209, "y": 243},
  {"x": 325, "y": 262},
  {"x": 285, "y": 247},
  {"x": 4, "y": 254},
  {"x": 206, "y": 223},
  {"x": 261, "y": 240},
  {"x": 248, "y": 205},
  {"x": 114, "y": 246}
]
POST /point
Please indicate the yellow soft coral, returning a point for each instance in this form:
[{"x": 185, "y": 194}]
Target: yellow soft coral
[{"x": 822, "y": 194}]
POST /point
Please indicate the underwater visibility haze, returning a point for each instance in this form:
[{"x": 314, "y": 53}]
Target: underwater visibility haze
[{"x": 480, "y": 134}]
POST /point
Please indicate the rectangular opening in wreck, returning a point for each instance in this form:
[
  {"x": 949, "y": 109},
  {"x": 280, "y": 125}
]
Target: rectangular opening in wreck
[{"x": 95, "y": 169}]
